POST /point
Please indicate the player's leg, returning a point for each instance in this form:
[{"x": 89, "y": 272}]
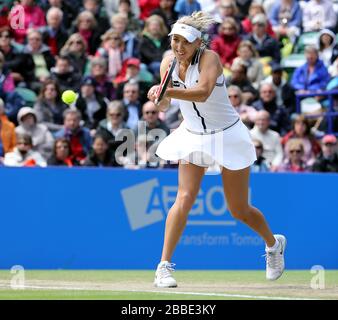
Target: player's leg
[
  {"x": 189, "y": 180},
  {"x": 236, "y": 186}
]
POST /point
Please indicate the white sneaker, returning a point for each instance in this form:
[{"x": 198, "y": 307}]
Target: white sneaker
[
  {"x": 163, "y": 276},
  {"x": 275, "y": 259}
]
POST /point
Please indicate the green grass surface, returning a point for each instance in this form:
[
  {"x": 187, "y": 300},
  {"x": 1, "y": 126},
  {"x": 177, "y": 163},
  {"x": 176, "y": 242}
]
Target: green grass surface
[{"x": 132, "y": 285}]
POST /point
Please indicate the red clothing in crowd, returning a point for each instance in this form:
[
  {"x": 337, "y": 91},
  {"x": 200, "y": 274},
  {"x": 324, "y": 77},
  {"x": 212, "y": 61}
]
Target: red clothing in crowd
[
  {"x": 226, "y": 47},
  {"x": 147, "y": 6}
]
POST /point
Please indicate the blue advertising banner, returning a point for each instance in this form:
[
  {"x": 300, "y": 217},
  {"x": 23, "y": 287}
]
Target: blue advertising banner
[{"x": 89, "y": 218}]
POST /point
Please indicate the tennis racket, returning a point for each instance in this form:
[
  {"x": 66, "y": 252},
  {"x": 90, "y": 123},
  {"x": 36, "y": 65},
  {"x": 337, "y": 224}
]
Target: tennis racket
[{"x": 165, "y": 81}]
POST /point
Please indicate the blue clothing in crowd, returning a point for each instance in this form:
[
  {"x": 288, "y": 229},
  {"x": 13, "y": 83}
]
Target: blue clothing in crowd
[{"x": 186, "y": 8}]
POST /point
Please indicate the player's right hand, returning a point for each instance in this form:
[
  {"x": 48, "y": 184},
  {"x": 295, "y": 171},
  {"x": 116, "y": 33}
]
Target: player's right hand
[{"x": 152, "y": 93}]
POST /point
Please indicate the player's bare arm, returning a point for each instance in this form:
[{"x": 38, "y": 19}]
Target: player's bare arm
[{"x": 210, "y": 70}]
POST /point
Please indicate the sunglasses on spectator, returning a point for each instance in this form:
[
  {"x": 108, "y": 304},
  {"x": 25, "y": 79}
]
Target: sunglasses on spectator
[
  {"x": 150, "y": 112},
  {"x": 116, "y": 38},
  {"x": 23, "y": 143},
  {"x": 35, "y": 39},
  {"x": 130, "y": 91},
  {"x": 6, "y": 35},
  {"x": 296, "y": 151},
  {"x": 258, "y": 147},
  {"x": 233, "y": 96},
  {"x": 328, "y": 144},
  {"x": 62, "y": 146},
  {"x": 76, "y": 42},
  {"x": 115, "y": 114}
]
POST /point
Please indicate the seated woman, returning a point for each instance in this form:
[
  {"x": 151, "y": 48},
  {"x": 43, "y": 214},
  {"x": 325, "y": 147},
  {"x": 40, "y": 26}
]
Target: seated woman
[
  {"x": 247, "y": 52},
  {"x": 227, "y": 42},
  {"x": 76, "y": 49},
  {"x": 328, "y": 47},
  {"x": 294, "y": 161},
  {"x": 311, "y": 76},
  {"x": 301, "y": 130},
  {"x": 86, "y": 25},
  {"x": 42, "y": 57},
  {"x": 49, "y": 107},
  {"x": 111, "y": 49},
  {"x": 100, "y": 155},
  {"x": 20, "y": 65},
  {"x": 154, "y": 42},
  {"x": 62, "y": 154}
]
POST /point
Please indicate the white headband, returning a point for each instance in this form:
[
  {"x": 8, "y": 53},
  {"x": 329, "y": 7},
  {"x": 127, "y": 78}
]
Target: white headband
[{"x": 188, "y": 32}]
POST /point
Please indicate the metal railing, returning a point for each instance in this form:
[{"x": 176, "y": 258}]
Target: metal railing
[{"x": 330, "y": 112}]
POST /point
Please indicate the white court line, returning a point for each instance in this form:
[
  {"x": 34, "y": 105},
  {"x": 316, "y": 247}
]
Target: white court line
[{"x": 210, "y": 294}]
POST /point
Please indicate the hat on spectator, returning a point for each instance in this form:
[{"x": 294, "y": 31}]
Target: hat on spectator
[
  {"x": 88, "y": 81},
  {"x": 259, "y": 18},
  {"x": 133, "y": 62},
  {"x": 275, "y": 66},
  {"x": 329, "y": 138}
]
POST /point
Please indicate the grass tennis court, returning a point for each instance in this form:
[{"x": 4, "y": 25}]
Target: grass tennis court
[{"x": 132, "y": 285}]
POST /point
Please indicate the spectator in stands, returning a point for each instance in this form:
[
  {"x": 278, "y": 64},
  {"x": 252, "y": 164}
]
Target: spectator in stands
[
  {"x": 132, "y": 105},
  {"x": 285, "y": 94},
  {"x": 91, "y": 104},
  {"x": 134, "y": 24},
  {"x": 302, "y": 131},
  {"x": 247, "y": 113},
  {"x": 260, "y": 165},
  {"x": 23, "y": 154},
  {"x": 133, "y": 74},
  {"x": 226, "y": 9},
  {"x": 49, "y": 107},
  {"x": 65, "y": 74},
  {"x": 42, "y": 57},
  {"x": 187, "y": 7},
  {"x": 279, "y": 118},
  {"x": 154, "y": 43},
  {"x": 119, "y": 23},
  {"x": 265, "y": 45},
  {"x": 54, "y": 35},
  {"x": 100, "y": 155},
  {"x": 294, "y": 157},
  {"x": 62, "y": 154},
  {"x": 103, "y": 84},
  {"x": 112, "y": 7},
  {"x": 20, "y": 65},
  {"x": 34, "y": 17},
  {"x": 86, "y": 25},
  {"x": 76, "y": 50},
  {"x": 95, "y": 7},
  {"x": 79, "y": 137},
  {"x": 156, "y": 129},
  {"x": 239, "y": 78},
  {"x": 7, "y": 133},
  {"x": 256, "y": 8},
  {"x": 6, "y": 80},
  {"x": 327, "y": 161},
  {"x": 227, "y": 41},
  {"x": 243, "y": 8},
  {"x": 311, "y": 76},
  {"x": 167, "y": 12},
  {"x": 112, "y": 49},
  {"x": 68, "y": 7},
  {"x": 328, "y": 47},
  {"x": 286, "y": 19},
  {"x": 42, "y": 139},
  {"x": 273, "y": 151},
  {"x": 319, "y": 14},
  {"x": 172, "y": 117},
  {"x": 247, "y": 53},
  {"x": 146, "y": 7}
]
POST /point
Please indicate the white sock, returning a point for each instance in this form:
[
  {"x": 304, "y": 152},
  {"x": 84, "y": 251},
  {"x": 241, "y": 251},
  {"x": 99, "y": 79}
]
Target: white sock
[{"x": 274, "y": 247}]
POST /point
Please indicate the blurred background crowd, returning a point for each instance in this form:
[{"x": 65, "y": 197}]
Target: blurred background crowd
[{"x": 280, "y": 60}]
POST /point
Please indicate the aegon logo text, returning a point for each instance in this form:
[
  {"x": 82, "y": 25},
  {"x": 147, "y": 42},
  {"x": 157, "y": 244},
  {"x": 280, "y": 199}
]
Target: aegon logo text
[{"x": 147, "y": 203}]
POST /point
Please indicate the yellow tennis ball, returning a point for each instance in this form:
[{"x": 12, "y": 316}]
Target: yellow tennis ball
[{"x": 68, "y": 96}]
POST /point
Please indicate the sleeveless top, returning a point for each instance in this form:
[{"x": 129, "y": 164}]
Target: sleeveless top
[{"x": 213, "y": 115}]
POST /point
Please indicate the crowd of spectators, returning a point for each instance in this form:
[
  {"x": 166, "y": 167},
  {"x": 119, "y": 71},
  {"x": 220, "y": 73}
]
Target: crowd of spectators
[{"x": 109, "y": 52}]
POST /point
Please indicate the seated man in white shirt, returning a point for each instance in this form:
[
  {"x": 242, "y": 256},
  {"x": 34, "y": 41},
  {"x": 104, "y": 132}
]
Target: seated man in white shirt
[{"x": 273, "y": 151}]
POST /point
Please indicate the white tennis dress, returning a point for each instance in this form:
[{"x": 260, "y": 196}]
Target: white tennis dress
[{"x": 211, "y": 133}]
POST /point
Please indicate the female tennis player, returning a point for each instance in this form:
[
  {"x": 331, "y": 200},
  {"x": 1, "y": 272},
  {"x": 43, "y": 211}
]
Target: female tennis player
[{"x": 211, "y": 134}]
